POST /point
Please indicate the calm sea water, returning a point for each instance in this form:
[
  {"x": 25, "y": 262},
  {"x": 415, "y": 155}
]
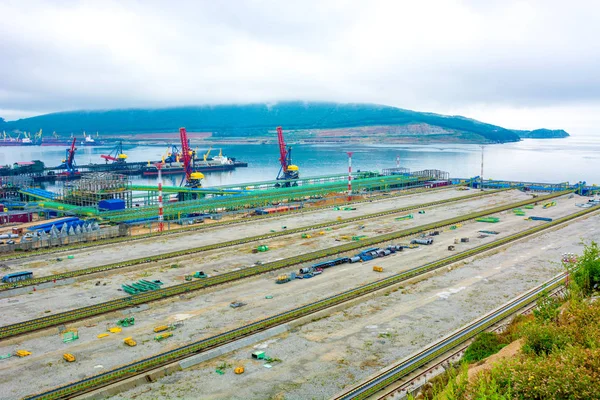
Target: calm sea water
[{"x": 551, "y": 160}]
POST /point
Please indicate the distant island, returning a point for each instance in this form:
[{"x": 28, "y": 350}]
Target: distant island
[{"x": 304, "y": 121}]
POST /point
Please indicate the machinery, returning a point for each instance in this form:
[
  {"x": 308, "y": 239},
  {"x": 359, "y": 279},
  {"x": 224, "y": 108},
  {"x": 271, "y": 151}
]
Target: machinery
[
  {"x": 193, "y": 179},
  {"x": 172, "y": 155},
  {"x": 288, "y": 171},
  {"x": 207, "y": 153},
  {"x": 116, "y": 155},
  {"x": 68, "y": 357},
  {"x": 69, "y": 162}
]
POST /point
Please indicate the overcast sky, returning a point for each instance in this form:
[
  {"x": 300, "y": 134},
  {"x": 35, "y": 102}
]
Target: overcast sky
[{"x": 519, "y": 64}]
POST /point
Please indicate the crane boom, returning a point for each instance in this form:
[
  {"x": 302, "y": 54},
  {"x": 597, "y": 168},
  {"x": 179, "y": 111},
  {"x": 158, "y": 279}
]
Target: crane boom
[
  {"x": 185, "y": 150},
  {"x": 282, "y": 150}
]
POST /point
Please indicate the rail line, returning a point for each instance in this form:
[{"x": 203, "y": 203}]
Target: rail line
[
  {"x": 391, "y": 389},
  {"x": 142, "y": 298},
  {"x": 168, "y": 357},
  {"x": 103, "y": 242},
  {"x": 235, "y": 242},
  {"x": 386, "y": 378}
]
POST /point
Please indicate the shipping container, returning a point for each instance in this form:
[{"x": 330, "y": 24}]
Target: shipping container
[{"x": 111, "y": 205}]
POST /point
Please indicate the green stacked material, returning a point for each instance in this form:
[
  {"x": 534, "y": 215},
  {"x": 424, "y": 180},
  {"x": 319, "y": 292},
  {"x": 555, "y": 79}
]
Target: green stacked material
[
  {"x": 262, "y": 247},
  {"x": 491, "y": 220},
  {"x": 520, "y": 213},
  {"x": 404, "y": 217},
  {"x": 125, "y": 322},
  {"x": 70, "y": 336},
  {"x": 357, "y": 238},
  {"x": 529, "y": 206}
]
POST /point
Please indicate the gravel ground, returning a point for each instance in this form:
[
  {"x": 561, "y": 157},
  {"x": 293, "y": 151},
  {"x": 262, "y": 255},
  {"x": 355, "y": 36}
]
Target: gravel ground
[
  {"x": 207, "y": 313},
  {"x": 47, "y": 265},
  {"x": 321, "y": 358},
  {"x": 87, "y": 292}
]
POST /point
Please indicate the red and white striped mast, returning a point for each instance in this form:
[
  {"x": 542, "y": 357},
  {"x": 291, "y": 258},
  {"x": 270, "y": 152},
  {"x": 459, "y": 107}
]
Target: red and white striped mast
[
  {"x": 349, "y": 175},
  {"x": 161, "y": 224}
]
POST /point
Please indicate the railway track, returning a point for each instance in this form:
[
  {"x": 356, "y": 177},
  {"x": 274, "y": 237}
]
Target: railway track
[
  {"x": 214, "y": 246},
  {"x": 456, "y": 352},
  {"x": 168, "y": 357},
  {"x": 142, "y": 298},
  {"x": 103, "y": 242},
  {"x": 405, "y": 367}
]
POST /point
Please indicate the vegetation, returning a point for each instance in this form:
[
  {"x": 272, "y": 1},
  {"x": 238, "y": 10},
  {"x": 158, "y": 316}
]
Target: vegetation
[
  {"x": 542, "y": 134},
  {"x": 560, "y": 353},
  {"x": 253, "y": 120}
]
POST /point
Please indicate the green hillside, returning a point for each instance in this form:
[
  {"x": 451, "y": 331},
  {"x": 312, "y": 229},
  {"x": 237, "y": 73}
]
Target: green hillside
[{"x": 252, "y": 120}]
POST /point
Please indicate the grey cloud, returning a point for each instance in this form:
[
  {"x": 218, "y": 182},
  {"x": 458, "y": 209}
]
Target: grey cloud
[{"x": 420, "y": 55}]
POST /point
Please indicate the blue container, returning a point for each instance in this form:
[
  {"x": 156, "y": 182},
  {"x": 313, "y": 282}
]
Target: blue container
[{"x": 111, "y": 205}]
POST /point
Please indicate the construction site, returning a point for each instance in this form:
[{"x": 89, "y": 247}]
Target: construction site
[{"x": 115, "y": 290}]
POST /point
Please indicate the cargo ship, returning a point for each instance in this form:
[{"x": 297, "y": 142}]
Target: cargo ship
[
  {"x": 217, "y": 163},
  {"x": 7, "y": 140}
]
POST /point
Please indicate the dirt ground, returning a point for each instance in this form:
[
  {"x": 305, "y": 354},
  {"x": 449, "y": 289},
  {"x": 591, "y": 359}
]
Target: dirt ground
[
  {"x": 206, "y": 313},
  {"x": 108, "y": 285},
  {"x": 83, "y": 258},
  {"x": 321, "y": 358}
]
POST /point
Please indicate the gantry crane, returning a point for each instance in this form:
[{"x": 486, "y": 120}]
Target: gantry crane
[
  {"x": 193, "y": 179},
  {"x": 288, "y": 171}
]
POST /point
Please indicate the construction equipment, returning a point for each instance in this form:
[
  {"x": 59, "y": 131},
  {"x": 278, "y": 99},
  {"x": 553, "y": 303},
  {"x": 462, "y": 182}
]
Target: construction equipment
[
  {"x": 130, "y": 342},
  {"x": 115, "y": 329},
  {"x": 163, "y": 336},
  {"x": 237, "y": 304},
  {"x": 288, "y": 171},
  {"x": 549, "y": 204},
  {"x": 200, "y": 274},
  {"x": 69, "y": 162},
  {"x": 238, "y": 370},
  {"x": 377, "y": 269},
  {"x": 69, "y": 357},
  {"x": 192, "y": 179},
  {"x": 207, "y": 153},
  {"x": 451, "y": 248},
  {"x": 23, "y": 353},
  {"x": 306, "y": 236},
  {"x": 102, "y": 335},
  {"x": 116, "y": 155},
  {"x": 283, "y": 279}
]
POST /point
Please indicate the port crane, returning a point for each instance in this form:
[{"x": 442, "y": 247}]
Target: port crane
[
  {"x": 172, "y": 155},
  {"x": 288, "y": 171},
  {"x": 207, "y": 153},
  {"x": 193, "y": 179},
  {"x": 116, "y": 155},
  {"x": 69, "y": 161}
]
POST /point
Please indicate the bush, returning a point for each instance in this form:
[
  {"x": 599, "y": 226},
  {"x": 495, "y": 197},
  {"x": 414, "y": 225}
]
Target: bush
[
  {"x": 547, "y": 309},
  {"x": 542, "y": 339},
  {"x": 484, "y": 345},
  {"x": 586, "y": 277}
]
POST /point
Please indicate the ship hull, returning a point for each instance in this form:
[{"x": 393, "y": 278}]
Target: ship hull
[{"x": 202, "y": 168}]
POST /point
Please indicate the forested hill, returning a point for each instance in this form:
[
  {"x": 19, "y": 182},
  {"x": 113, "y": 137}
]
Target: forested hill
[{"x": 254, "y": 120}]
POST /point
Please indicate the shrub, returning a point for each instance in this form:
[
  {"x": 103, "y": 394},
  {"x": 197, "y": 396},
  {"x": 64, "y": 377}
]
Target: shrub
[{"x": 484, "y": 345}]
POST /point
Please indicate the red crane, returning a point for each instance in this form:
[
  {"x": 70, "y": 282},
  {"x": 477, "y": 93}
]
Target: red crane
[
  {"x": 289, "y": 170},
  {"x": 185, "y": 153},
  {"x": 71, "y": 156},
  {"x": 282, "y": 150},
  {"x": 193, "y": 179}
]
